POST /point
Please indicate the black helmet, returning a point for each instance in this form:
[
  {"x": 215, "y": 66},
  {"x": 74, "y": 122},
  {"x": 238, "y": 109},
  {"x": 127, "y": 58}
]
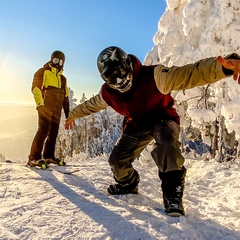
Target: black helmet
[
  {"x": 115, "y": 68},
  {"x": 57, "y": 59},
  {"x": 59, "y": 55},
  {"x": 111, "y": 58}
]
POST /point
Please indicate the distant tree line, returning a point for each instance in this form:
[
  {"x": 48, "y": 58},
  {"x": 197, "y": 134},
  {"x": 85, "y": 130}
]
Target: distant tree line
[{"x": 93, "y": 135}]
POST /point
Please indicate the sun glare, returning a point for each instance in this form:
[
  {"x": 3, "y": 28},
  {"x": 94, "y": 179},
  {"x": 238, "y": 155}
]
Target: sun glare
[{"x": 15, "y": 81}]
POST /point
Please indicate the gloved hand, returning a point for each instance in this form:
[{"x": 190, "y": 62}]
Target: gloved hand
[{"x": 41, "y": 110}]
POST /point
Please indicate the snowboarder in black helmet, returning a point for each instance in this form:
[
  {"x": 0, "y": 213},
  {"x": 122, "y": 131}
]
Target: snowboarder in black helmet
[
  {"x": 142, "y": 95},
  {"x": 50, "y": 91}
]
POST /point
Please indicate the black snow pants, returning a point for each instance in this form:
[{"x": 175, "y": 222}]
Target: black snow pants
[{"x": 166, "y": 152}]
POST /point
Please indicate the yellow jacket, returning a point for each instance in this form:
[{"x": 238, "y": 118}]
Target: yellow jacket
[{"x": 49, "y": 79}]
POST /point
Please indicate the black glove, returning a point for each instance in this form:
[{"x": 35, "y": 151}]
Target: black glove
[{"x": 41, "y": 110}]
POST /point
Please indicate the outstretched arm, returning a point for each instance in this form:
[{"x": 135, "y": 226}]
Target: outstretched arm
[
  {"x": 93, "y": 105},
  {"x": 204, "y": 71}
]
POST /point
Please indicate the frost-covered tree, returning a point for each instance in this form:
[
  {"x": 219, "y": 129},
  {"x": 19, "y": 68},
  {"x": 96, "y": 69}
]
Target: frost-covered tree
[
  {"x": 188, "y": 31},
  {"x": 65, "y": 139},
  {"x": 93, "y": 135},
  {"x": 83, "y": 99}
]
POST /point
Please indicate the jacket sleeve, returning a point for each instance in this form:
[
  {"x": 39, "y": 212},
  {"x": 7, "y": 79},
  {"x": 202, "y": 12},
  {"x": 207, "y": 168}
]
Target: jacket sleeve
[
  {"x": 37, "y": 87},
  {"x": 93, "y": 105},
  {"x": 66, "y": 100},
  {"x": 205, "y": 71},
  {"x": 66, "y": 106}
]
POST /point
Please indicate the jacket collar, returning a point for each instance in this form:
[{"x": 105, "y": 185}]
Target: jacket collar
[{"x": 54, "y": 70}]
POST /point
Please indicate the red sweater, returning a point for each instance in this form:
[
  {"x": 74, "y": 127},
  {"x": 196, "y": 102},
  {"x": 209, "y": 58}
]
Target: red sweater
[{"x": 143, "y": 106}]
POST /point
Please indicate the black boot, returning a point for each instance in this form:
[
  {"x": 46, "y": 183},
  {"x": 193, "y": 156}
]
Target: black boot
[
  {"x": 172, "y": 187},
  {"x": 128, "y": 187}
]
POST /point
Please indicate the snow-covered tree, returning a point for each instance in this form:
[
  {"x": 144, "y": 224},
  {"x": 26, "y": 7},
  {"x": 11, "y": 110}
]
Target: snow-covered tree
[
  {"x": 188, "y": 31},
  {"x": 93, "y": 135}
]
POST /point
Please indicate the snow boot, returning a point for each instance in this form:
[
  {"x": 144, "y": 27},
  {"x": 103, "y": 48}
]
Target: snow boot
[
  {"x": 128, "y": 187},
  {"x": 172, "y": 187},
  {"x": 37, "y": 163},
  {"x": 55, "y": 160},
  {"x": 173, "y": 206}
]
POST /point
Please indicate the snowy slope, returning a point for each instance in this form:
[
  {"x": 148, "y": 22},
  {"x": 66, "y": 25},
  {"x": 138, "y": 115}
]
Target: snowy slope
[{"x": 38, "y": 204}]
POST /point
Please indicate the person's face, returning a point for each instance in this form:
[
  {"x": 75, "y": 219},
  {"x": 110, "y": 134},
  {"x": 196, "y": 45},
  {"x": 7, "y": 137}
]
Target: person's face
[{"x": 120, "y": 78}]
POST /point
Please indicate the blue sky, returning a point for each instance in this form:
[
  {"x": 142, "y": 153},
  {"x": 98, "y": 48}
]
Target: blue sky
[{"x": 31, "y": 30}]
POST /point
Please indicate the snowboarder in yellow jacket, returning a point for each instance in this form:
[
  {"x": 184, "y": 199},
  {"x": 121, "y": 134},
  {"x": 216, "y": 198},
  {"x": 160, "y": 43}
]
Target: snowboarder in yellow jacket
[
  {"x": 142, "y": 95},
  {"x": 50, "y": 91}
]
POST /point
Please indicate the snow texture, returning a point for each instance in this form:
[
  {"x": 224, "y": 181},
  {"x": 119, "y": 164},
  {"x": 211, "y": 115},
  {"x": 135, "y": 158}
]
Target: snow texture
[{"x": 42, "y": 204}]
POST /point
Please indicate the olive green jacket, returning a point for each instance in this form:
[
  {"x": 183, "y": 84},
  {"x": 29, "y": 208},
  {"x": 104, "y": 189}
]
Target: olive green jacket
[{"x": 205, "y": 71}]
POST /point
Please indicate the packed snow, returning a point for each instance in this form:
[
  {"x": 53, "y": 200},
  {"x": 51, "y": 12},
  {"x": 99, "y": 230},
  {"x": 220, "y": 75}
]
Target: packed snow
[{"x": 42, "y": 204}]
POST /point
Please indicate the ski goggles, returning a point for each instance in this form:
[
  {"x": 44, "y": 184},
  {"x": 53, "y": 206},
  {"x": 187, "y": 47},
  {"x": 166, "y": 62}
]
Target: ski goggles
[{"x": 57, "y": 61}]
